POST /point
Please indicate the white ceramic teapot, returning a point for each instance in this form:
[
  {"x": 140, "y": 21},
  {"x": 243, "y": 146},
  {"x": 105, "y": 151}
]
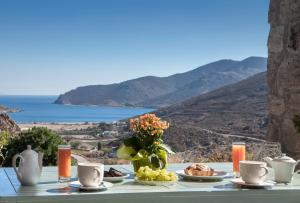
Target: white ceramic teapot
[
  {"x": 30, "y": 166},
  {"x": 284, "y": 167}
]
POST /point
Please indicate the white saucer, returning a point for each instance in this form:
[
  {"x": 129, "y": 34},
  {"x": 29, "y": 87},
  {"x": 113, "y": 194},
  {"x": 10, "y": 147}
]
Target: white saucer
[
  {"x": 239, "y": 181},
  {"x": 116, "y": 179},
  {"x": 217, "y": 176},
  {"x": 103, "y": 186}
]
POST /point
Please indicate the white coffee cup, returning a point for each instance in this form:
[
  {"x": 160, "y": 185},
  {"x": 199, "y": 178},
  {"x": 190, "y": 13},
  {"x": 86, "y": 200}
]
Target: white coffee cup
[
  {"x": 253, "y": 172},
  {"x": 90, "y": 174}
]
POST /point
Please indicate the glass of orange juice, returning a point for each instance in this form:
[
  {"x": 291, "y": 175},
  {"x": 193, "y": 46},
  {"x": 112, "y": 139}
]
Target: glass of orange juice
[
  {"x": 238, "y": 154},
  {"x": 64, "y": 163}
]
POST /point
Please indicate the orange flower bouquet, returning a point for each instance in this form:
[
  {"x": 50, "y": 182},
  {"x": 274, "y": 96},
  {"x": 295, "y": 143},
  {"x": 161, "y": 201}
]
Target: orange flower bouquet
[{"x": 145, "y": 147}]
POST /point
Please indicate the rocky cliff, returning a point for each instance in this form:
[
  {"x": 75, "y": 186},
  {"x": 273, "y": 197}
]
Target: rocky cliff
[
  {"x": 284, "y": 74},
  {"x": 6, "y": 123},
  {"x": 163, "y": 91}
]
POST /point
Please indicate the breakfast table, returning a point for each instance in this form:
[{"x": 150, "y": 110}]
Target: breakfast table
[{"x": 128, "y": 191}]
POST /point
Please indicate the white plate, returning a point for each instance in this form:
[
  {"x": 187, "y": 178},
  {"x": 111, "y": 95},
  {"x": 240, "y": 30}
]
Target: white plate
[
  {"x": 240, "y": 182},
  {"x": 115, "y": 179},
  {"x": 155, "y": 183},
  {"x": 217, "y": 176},
  {"x": 103, "y": 186}
]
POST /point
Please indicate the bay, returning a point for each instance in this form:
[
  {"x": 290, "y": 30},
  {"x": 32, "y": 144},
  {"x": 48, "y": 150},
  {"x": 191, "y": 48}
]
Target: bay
[{"x": 42, "y": 109}]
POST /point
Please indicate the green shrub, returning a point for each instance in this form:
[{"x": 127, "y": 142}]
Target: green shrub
[
  {"x": 41, "y": 139},
  {"x": 75, "y": 145},
  {"x": 4, "y": 139}
]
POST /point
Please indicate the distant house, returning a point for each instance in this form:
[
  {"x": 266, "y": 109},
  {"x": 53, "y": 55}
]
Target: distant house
[
  {"x": 110, "y": 133},
  {"x": 121, "y": 123}
]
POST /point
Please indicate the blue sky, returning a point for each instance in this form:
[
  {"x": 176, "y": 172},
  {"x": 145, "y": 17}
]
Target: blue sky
[{"x": 49, "y": 47}]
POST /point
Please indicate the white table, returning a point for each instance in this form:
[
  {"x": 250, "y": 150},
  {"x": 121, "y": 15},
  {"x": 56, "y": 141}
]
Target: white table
[{"x": 49, "y": 190}]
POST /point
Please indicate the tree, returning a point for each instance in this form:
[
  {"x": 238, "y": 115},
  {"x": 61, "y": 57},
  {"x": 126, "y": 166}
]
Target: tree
[
  {"x": 40, "y": 138},
  {"x": 99, "y": 146},
  {"x": 75, "y": 144},
  {"x": 105, "y": 126}
]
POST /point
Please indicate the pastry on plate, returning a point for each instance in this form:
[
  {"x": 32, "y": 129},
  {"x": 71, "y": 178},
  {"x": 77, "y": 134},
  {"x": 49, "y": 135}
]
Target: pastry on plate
[
  {"x": 113, "y": 173},
  {"x": 199, "y": 169}
]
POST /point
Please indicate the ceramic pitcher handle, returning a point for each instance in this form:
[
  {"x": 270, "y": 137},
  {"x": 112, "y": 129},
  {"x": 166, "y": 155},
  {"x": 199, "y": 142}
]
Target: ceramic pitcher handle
[
  {"x": 14, "y": 162},
  {"x": 295, "y": 167},
  {"x": 266, "y": 171}
]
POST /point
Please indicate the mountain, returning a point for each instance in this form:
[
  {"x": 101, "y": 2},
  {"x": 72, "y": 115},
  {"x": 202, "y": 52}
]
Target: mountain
[
  {"x": 236, "y": 109},
  {"x": 203, "y": 128},
  {"x": 151, "y": 91}
]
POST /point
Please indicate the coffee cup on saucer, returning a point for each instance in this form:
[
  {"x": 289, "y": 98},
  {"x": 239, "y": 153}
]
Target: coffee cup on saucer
[
  {"x": 90, "y": 174},
  {"x": 253, "y": 172}
]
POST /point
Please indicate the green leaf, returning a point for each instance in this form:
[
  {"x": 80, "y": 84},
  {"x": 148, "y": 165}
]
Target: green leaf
[
  {"x": 163, "y": 157},
  {"x": 125, "y": 152},
  {"x": 166, "y": 148},
  {"x": 142, "y": 154}
]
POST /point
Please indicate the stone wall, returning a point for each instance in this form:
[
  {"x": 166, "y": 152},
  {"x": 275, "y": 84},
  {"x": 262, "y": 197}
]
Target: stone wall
[{"x": 284, "y": 74}]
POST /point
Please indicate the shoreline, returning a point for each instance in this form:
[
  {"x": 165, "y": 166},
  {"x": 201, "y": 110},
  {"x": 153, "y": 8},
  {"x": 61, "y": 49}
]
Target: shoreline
[
  {"x": 57, "y": 126},
  {"x": 63, "y": 123},
  {"x": 109, "y": 106}
]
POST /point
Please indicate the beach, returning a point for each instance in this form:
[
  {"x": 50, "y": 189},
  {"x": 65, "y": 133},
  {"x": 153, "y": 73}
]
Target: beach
[{"x": 58, "y": 126}]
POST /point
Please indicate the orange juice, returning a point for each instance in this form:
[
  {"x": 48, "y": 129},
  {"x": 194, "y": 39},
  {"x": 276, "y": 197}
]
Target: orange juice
[
  {"x": 64, "y": 163},
  {"x": 238, "y": 154}
]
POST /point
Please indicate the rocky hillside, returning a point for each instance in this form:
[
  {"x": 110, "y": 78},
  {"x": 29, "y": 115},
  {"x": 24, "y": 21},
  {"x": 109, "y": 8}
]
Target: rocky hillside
[
  {"x": 200, "y": 145},
  {"x": 155, "y": 92},
  {"x": 8, "y": 124},
  {"x": 4, "y": 109},
  {"x": 237, "y": 109},
  {"x": 203, "y": 128}
]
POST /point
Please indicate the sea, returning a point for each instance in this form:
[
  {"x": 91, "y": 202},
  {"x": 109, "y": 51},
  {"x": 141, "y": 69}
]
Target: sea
[{"x": 43, "y": 109}]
